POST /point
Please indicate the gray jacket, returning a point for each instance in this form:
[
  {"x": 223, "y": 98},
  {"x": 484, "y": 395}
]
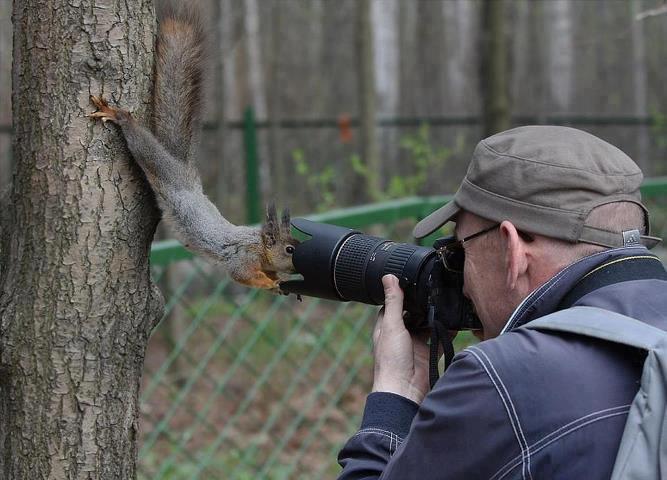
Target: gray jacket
[{"x": 528, "y": 404}]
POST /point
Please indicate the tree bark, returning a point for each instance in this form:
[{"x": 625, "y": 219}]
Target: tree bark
[
  {"x": 639, "y": 83},
  {"x": 460, "y": 32},
  {"x": 494, "y": 71},
  {"x": 257, "y": 85},
  {"x": 227, "y": 175},
  {"x": 6, "y": 163},
  {"x": 274, "y": 105},
  {"x": 76, "y": 301},
  {"x": 561, "y": 56},
  {"x": 367, "y": 102},
  {"x": 384, "y": 18}
]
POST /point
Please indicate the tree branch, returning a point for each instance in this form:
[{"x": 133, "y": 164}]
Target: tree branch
[{"x": 653, "y": 12}]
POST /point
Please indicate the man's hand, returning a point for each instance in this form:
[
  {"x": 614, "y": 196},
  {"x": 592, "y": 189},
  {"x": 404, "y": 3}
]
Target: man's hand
[{"x": 401, "y": 358}]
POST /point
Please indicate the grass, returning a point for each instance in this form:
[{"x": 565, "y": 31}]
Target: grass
[{"x": 282, "y": 363}]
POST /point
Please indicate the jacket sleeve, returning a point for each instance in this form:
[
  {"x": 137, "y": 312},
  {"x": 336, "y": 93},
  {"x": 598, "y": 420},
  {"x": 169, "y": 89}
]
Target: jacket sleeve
[
  {"x": 386, "y": 422},
  {"x": 460, "y": 431}
]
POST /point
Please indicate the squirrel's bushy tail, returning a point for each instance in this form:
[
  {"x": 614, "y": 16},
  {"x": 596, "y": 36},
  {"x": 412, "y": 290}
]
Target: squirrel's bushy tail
[{"x": 179, "y": 78}]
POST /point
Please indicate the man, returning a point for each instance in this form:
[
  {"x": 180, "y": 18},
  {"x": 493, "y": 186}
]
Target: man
[{"x": 556, "y": 221}]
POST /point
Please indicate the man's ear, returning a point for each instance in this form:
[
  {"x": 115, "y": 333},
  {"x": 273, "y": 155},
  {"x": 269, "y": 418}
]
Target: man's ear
[{"x": 514, "y": 248}]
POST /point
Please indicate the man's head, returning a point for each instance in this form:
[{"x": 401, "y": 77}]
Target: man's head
[{"x": 556, "y": 194}]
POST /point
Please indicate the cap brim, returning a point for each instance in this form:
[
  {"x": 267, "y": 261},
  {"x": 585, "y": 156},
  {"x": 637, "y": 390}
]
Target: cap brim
[{"x": 436, "y": 220}]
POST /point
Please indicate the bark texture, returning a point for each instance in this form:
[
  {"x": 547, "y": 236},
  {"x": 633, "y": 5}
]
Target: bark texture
[
  {"x": 370, "y": 154},
  {"x": 494, "y": 68},
  {"x": 76, "y": 301}
]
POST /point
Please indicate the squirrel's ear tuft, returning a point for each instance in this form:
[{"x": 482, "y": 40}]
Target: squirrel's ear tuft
[
  {"x": 270, "y": 229},
  {"x": 271, "y": 214},
  {"x": 285, "y": 222}
]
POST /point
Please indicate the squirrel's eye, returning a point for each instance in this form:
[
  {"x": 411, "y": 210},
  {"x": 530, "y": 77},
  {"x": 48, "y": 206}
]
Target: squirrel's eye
[{"x": 289, "y": 249}]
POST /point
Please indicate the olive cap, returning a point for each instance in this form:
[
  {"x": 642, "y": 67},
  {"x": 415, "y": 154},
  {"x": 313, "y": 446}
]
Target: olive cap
[{"x": 546, "y": 180}]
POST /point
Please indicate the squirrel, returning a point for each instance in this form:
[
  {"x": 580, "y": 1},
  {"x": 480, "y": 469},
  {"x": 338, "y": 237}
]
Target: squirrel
[{"x": 258, "y": 257}]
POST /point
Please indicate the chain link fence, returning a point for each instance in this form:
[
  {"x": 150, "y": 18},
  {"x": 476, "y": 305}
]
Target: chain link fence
[{"x": 242, "y": 384}]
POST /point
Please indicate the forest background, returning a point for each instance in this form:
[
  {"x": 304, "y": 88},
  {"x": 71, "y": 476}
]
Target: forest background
[{"x": 304, "y": 67}]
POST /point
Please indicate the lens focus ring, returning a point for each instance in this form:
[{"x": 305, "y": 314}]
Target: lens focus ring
[
  {"x": 350, "y": 264},
  {"x": 398, "y": 258}
]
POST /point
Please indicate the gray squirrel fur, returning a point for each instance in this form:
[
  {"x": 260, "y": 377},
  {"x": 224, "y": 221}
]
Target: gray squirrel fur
[{"x": 253, "y": 256}]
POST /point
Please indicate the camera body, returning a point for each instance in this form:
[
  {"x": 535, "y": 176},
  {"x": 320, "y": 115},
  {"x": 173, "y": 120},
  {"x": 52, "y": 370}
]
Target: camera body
[{"x": 342, "y": 264}]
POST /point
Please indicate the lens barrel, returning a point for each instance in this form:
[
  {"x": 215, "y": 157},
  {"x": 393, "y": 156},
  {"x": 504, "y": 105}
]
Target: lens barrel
[
  {"x": 344, "y": 264},
  {"x": 341, "y": 264},
  {"x": 363, "y": 260}
]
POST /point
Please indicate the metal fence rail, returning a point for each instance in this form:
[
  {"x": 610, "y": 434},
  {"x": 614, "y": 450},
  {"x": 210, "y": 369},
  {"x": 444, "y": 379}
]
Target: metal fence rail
[{"x": 241, "y": 384}]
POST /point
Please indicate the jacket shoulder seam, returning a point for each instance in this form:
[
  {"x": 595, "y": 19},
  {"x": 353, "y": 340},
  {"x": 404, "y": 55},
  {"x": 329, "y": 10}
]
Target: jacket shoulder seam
[{"x": 563, "y": 431}]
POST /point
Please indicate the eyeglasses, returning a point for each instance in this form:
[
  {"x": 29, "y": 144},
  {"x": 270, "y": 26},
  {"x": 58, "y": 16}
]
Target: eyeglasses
[{"x": 452, "y": 253}]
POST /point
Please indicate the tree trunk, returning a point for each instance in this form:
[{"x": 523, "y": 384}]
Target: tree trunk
[
  {"x": 460, "y": 31},
  {"x": 560, "y": 57},
  {"x": 6, "y": 164},
  {"x": 494, "y": 71},
  {"x": 407, "y": 24},
  {"x": 228, "y": 176},
  {"x": 218, "y": 170},
  {"x": 639, "y": 82},
  {"x": 384, "y": 18},
  {"x": 76, "y": 301},
  {"x": 367, "y": 104},
  {"x": 257, "y": 85},
  {"x": 274, "y": 112}
]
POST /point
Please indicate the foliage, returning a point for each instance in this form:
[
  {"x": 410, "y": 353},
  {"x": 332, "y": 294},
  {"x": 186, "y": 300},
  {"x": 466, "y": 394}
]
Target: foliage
[
  {"x": 424, "y": 159},
  {"x": 321, "y": 183},
  {"x": 188, "y": 469},
  {"x": 659, "y": 128},
  {"x": 659, "y": 136}
]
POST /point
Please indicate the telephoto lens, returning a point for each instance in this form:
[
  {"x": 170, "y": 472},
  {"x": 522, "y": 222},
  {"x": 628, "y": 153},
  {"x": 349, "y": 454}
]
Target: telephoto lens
[{"x": 342, "y": 264}]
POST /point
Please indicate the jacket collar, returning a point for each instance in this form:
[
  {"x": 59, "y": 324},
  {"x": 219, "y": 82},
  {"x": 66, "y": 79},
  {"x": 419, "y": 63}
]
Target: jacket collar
[{"x": 546, "y": 298}]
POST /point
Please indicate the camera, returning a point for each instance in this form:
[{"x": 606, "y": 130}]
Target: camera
[{"x": 342, "y": 264}]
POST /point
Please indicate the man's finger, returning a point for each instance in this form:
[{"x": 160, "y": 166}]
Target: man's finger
[
  {"x": 393, "y": 301},
  {"x": 377, "y": 331}
]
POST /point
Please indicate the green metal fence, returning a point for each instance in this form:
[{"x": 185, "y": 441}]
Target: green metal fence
[{"x": 242, "y": 384}]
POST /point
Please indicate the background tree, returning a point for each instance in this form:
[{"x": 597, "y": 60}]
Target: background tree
[
  {"x": 370, "y": 154},
  {"x": 76, "y": 301},
  {"x": 5, "y": 93},
  {"x": 639, "y": 85},
  {"x": 386, "y": 63},
  {"x": 494, "y": 68}
]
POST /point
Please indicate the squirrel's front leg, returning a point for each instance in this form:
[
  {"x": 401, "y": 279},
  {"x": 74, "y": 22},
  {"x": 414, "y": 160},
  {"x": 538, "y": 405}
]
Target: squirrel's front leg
[{"x": 166, "y": 174}]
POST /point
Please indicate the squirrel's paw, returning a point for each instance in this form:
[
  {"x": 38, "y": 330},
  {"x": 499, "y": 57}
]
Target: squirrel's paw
[
  {"x": 104, "y": 111},
  {"x": 278, "y": 291},
  {"x": 258, "y": 279}
]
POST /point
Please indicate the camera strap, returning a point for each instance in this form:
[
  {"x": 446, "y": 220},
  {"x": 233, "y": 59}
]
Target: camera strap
[
  {"x": 439, "y": 337},
  {"x": 635, "y": 267}
]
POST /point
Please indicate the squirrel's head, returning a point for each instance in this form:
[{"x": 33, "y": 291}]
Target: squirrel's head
[{"x": 278, "y": 242}]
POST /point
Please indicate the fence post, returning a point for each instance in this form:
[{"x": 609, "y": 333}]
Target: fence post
[{"x": 253, "y": 213}]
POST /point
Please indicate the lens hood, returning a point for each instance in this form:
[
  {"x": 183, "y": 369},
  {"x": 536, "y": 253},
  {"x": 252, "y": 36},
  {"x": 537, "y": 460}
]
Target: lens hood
[{"x": 314, "y": 259}]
